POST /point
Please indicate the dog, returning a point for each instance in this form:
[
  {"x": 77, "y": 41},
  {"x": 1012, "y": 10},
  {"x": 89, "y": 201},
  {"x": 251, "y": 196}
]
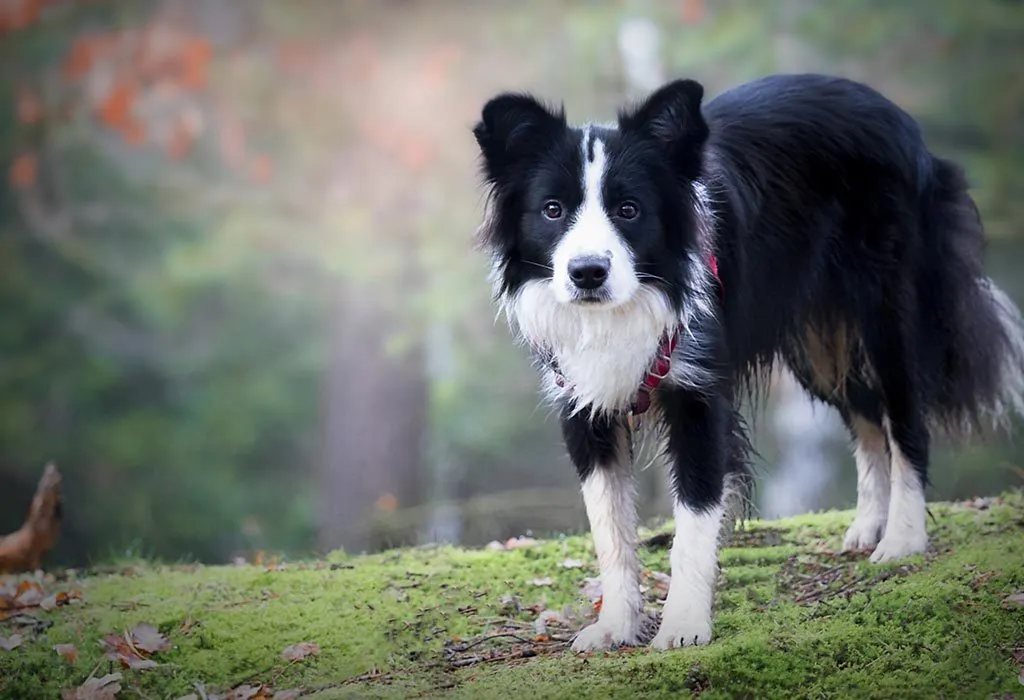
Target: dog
[{"x": 659, "y": 267}]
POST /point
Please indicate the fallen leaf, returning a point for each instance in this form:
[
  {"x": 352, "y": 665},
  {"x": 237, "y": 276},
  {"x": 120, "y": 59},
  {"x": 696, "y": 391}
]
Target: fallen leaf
[
  {"x": 298, "y": 652},
  {"x": 520, "y": 542},
  {"x": 147, "y": 638},
  {"x": 11, "y": 643},
  {"x": 105, "y": 688},
  {"x": 1015, "y": 599},
  {"x": 55, "y": 600},
  {"x": 540, "y": 625},
  {"x": 242, "y": 692},
  {"x": 290, "y": 694},
  {"x": 572, "y": 564},
  {"x": 546, "y": 581},
  {"x": 30, "y": 594},
  {"x": 68, "y": 652},
  {"x": 118, "y": 647}
]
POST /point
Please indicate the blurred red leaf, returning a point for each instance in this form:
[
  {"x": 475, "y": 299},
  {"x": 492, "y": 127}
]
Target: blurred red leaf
[
  {"x": 79, "y": 58},
  {"x": 194, "y": 60},
  {"x": 116, "y": 107},
  {"x": 24, "y": 170}
]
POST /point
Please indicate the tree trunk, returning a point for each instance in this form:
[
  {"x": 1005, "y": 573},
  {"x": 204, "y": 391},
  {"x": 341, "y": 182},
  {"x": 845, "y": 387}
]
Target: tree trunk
[{"x": 374, "y": 419}]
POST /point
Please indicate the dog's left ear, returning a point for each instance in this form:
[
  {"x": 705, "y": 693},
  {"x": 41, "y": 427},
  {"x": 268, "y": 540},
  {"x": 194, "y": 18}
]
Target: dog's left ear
[
  {"x": 512, "y": 129},
  {"x": 671, "y": 115}
]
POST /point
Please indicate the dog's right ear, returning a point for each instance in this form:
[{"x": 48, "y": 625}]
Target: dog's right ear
[{"x": 512, "y": 129}]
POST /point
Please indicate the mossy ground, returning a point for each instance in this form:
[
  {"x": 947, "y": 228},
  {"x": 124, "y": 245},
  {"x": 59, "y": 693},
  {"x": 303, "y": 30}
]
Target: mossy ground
[{"x": 793, "y": 620}]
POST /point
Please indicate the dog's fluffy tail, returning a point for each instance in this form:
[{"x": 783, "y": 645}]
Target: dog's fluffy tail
[{"x": 976, "y": 333}]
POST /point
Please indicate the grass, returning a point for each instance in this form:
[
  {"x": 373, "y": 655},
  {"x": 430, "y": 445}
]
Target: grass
[{"x": 793, "y": 620}]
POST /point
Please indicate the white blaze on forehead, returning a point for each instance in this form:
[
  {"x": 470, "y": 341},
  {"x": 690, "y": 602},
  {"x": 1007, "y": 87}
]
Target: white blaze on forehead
[{"x": 591, "y": 232}]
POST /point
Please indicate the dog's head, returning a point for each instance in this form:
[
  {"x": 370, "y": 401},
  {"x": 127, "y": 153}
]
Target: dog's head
[{"x": 598, "y": 214}]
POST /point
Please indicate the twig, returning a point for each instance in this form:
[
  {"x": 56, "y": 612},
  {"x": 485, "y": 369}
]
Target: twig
[{"x": 482, "y": 640}]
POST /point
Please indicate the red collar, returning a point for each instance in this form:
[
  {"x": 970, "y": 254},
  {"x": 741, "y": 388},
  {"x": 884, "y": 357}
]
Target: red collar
[{"x": 659, "y": 367}]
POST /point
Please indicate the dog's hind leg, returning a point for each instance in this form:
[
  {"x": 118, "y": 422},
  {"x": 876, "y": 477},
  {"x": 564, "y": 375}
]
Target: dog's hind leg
[
  {"x": 697, "y": 449},
  {"x": 906, "y": 428},
  {"x": 871, "y": 453},
  {"x": 599, "y": 450}
]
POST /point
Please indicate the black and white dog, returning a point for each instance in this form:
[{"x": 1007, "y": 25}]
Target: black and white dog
[{"x": 662, "y": 264}]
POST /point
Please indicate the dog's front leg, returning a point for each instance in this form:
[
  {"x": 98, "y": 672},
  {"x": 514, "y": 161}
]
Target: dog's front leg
[
  {"x": 697, "y": 450},
  {"x": 599, "y": 449}
]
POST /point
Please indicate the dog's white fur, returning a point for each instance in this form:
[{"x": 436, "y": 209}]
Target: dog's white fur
[
  {"x": 872, "y": 456},
  {"x": 686, "y": 617},
  {"x": 610, "y": 499}
]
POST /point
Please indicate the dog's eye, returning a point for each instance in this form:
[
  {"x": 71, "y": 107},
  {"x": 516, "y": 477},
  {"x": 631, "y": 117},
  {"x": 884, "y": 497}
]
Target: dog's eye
[
  {"x": 552, "y": 210},
  {"x": 628, "y": 210}
]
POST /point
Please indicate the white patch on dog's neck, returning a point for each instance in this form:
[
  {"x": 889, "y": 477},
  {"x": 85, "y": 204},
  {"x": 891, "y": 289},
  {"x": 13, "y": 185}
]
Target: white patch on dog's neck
[{"x": 603, "y": 353}]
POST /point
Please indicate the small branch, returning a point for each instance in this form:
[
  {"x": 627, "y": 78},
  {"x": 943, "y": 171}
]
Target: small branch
[{"x": 24, "y": 550}]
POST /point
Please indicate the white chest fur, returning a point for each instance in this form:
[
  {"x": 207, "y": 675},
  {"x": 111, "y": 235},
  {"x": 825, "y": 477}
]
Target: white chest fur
[{"x": 603, "y": 353}]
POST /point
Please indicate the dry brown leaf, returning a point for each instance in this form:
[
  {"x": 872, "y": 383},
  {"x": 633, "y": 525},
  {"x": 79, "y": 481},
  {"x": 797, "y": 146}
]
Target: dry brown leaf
[
  {"x": 119, "y": 648},
  {"x": 300, "y": 651},
  {"x": 11, "y": 643},
  {"x": 242, "y": 692},
  {"x": 1015, "y": 599},
  {"x": 24, "y": 550},
  {"x": 105, "y": 688},
  {"x": 68, "y": 652},
  {"x": 147, "y": 638}
]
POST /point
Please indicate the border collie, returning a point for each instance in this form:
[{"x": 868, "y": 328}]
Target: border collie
[{"x": 663, "y": 264}]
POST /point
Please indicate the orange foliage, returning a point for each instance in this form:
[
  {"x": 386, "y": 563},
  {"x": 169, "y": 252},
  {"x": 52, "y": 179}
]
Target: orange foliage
[
  {"x": 195, "y": 57},
  {"x": 115, "y": 110},
  {"x": 16, "y": 15},
  {"x": 80, "y": 58},
  {"x": 24, "y": 170}
]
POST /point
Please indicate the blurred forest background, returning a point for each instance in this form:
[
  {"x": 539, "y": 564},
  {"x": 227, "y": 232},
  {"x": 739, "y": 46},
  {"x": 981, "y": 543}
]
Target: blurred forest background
[{"x": 241, "y": 311}]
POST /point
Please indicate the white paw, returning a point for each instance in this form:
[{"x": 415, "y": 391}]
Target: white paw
[
  {"x": 682, "y": 631},
  {"x": 605, "y": 634},
  {"x": 864, "y": 533},
  {"x": 896, "y": 545}
]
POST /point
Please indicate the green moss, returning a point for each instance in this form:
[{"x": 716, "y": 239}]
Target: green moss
[{"x": 794, "y": 620}]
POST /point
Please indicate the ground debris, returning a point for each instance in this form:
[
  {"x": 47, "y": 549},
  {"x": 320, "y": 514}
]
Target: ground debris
[{"x": 812, "y": 579}]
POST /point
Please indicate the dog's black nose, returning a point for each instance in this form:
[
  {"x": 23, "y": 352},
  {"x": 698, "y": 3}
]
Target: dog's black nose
[{"x": 589, "y": 271}]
